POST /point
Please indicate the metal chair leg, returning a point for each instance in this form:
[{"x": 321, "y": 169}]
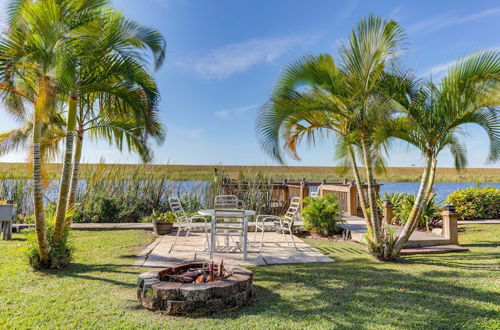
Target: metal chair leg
[
  {"x": 175, "y": 240},
  {"x": 293, "y": 240},
  {"x": 261, "y": 239},
  {"x": 284, "y": 235}
]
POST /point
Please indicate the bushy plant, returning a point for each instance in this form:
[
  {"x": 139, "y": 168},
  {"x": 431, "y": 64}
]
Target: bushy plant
[
  {"x": 60, "y": 253},
  {"x": 160, "y": 217},
  {"x": 98, "y": 207},
  {"x": 322, "y": 214},
  {"x": 403, "y": 204},
  {"x": 476, "y": 202}
]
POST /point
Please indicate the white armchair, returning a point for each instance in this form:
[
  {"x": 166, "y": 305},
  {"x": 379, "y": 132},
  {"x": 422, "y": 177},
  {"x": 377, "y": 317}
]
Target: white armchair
[
  {"x": 187, "y": 223},
  {"x": 282, "y": 224}
]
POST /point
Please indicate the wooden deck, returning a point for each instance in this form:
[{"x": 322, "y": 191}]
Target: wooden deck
[{"x": 418, "y": 239}]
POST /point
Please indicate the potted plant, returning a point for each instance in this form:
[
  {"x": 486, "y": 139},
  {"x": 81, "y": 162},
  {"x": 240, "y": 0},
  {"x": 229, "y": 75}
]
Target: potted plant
[{"x": 162, "y": 222}]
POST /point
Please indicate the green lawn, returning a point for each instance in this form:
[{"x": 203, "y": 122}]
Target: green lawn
[{"x": 98, "y": 290}]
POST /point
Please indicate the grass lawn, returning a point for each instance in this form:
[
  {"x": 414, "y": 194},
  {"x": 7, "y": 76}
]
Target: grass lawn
[{"x": 98, "y": 290}]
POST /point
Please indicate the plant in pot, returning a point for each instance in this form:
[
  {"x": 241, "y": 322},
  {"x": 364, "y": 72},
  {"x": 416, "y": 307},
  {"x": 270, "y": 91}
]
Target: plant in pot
[
  {"x": 321, "y": 215},
  {"x": 162, "y": 222}
]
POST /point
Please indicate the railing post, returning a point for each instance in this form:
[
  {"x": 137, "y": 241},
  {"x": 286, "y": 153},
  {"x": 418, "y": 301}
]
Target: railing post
[
  {"x": 352, "y": 204},
  {"x": 304, "y": 192},
  {"x": 388, "y": 211},
  {"x": 450, "y": 229}
]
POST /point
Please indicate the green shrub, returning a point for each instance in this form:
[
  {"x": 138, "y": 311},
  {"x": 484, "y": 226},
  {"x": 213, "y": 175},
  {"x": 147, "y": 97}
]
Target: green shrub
[
  {"x": 403, "y": 204},
  {"x": 322, "y": 214},
  {"x": 476, "y": 202},
  {"x": 98, "y": 207},
  {"x": 60, "y": 254},
  {"x": 159, "y": 217}
]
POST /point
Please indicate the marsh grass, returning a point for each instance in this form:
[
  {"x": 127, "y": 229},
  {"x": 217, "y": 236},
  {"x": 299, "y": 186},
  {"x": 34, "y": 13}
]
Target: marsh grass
[{"x": 206, "y": 172}]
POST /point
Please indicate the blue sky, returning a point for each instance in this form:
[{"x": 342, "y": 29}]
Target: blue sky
[{"x": 224, "y": 57}]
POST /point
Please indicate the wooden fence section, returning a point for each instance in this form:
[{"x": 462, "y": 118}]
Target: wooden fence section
[
  {"x": 347, "y": 196},
  {"x": 279, "y": 193}
]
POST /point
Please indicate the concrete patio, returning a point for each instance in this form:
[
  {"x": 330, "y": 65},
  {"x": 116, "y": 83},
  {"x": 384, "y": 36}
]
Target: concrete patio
[{"x": 274, "y": 251}]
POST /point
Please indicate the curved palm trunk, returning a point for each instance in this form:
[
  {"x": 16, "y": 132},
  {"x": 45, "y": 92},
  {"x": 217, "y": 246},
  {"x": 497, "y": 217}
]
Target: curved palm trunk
[
  {"x": 74, "y": 176},
  {"x": 76, "y": 169},
  {"x": 359, "y": 186},
  {"x": 371, "y": 189},
  {"x": 416, "y": 210},
  {"x": 428, "y": 189},
  {"x": 40, "y": 226},
  {"x": 66, "y": 170},
  {"x": 432, "y": 177}
]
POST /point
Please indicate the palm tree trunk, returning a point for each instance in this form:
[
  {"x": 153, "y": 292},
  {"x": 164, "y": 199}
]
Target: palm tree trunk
[
  {"x": 359, "y": 187},
  {"x": 66, "y": 170},
  {"x": 428, "y": 189},
  {"x": 432, "y": 177},
  {"x": 371, "y": 189},
  {"x": 40, "y": 226},
  {"x": 416, "y": 210},
  {"x": 76, "y": 169},
  {"x": 74, "y": 176}
]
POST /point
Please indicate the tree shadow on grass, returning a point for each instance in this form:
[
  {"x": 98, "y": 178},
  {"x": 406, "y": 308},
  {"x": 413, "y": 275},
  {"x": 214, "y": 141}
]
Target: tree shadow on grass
[
  {"x": 466, "y": 261},
  {"x": 353, "y": 294},
  {"x": 97, "y": 272},
  {"x": 481, "y": 244}
]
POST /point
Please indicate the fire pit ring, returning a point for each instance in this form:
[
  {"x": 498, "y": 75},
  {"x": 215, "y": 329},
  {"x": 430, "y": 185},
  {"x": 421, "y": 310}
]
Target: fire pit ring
[{"x": 156, "y": 291}]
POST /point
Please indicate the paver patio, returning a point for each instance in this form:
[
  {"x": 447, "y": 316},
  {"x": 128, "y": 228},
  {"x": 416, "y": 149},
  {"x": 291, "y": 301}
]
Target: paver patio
[{"x": 274, "y": 251}]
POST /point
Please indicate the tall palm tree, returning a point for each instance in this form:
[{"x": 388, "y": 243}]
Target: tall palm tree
[
  {"x": 294, "y": 112},
  {"x": 109, "y": 66},
  {"x": 49, "y": 52},
  {"x": 469, "y": 94},
  {"x": 347, "y": 99},
  {"x": 33, "y": 59}
]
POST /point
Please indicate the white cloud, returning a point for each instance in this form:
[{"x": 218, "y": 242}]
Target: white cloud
[
  {"x": 440, "y": 21},
  {"x": 439, "y": 70},
  {"x": 235, "y": 113},
  {"x": 234, "y": 58}
]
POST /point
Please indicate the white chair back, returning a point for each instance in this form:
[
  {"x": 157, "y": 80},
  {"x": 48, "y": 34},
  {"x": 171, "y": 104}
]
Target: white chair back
[
  {"x": 226, "y": 202},
  {"x": 177, "y": 210},
  {"x": 292, "y": 211},
  {"x": 229, "y": 221}
]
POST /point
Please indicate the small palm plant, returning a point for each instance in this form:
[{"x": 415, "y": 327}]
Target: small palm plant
[{"x": 322, "y": 215}]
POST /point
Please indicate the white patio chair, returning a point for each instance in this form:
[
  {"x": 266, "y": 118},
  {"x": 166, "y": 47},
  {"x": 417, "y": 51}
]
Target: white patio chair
[
  {"x": 186, "y": 223},
  {"x": 230, "y": 224},
  {"x": 282, "y": 225},
  {"x": 227, "y": 202}
]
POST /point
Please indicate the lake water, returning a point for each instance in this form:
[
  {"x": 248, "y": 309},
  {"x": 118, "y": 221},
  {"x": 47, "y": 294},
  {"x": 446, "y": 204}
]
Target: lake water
[
  {"x": 442, "y": 189},
  {"x": 195, "y": 189}
]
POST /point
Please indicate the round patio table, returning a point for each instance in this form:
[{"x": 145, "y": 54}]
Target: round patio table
[{"x": 211, "y": 213}]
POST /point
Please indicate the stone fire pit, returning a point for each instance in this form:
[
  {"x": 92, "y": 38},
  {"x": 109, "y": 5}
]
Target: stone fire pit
[{"x": 160, "y": 291}]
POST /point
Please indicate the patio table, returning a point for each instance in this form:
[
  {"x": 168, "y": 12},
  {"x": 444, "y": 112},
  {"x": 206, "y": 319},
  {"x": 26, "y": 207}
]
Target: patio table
[{"x": 211, "y": 213}]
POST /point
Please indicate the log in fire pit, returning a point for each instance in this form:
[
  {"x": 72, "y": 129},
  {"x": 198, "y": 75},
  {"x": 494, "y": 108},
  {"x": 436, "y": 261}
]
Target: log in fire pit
[{"x": 196, "y": 289}]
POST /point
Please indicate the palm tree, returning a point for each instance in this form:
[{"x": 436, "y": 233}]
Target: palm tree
[
  {"x": 346, "y": 99},
  {"x": 109, "y": 68},
  {"x": 295, "y": 112},
  {"x": 432, "y": 123},
  {"x": 45, "y": 57},
  {"x": 33, "y": 59}
]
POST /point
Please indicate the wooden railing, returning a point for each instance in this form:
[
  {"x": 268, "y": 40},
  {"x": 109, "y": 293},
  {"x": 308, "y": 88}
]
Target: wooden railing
[{"x": 347, "y": 196}]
